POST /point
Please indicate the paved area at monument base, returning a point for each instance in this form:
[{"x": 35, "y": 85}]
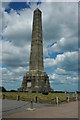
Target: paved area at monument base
[{"x": 67, "y": 110}]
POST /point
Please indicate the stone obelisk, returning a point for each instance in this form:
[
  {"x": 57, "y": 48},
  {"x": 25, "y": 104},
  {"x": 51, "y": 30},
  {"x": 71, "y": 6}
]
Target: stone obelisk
[
  {"x": 36, "y": 56},
  {"x": 36, "y": 80}
]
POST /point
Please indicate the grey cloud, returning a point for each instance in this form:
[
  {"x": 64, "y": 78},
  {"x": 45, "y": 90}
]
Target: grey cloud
[
  {"x": 68, "y": 78},
  {"x": 15, "y": 56},
  {"x": 18, "y": 27},
  {"x": 60, "y": 21},
  {"x": 67, "y": 61},
  {"x": 11, "y": 75}
]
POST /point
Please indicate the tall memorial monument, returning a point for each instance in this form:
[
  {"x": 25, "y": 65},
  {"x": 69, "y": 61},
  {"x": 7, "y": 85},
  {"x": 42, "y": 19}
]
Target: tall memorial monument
[{"x": 36, "y": 80}]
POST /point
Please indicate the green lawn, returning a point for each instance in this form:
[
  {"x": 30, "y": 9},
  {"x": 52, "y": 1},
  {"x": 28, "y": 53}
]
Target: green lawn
[
  {"x": 0, "y": 95},
  {"x": 50, "y": 98}
]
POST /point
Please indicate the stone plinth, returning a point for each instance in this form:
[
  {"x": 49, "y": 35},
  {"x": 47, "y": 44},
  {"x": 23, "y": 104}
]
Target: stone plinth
[{"x": 35, "y": 81}]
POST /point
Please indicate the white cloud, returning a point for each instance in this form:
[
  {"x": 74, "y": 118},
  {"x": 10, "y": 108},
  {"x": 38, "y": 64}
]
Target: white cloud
[
  {"x": 53, "y": 76},
  {"x": 65, "y": 45},
  {"x": 17, "y": 26},
  {"x": 55, "y": 26},
  {"x": 0, "y": 76},
  {"x": 60, "y": 26},
  {"x": 58, "y": 70},
  {"x": 9, "y": 75},
  {"x": 15, "y": 56},
  {"x": 0, "y": 52},
  {"x": 67, "y": 61},
  {"x": 5, "y": 70},
  {"x": 67, "y": 78},
  {"x": 20, "y": 69},
  {"x": 49, "y": 62}
]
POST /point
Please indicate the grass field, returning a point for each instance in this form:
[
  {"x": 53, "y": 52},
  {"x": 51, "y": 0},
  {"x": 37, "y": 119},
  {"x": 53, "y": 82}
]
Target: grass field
[
  {"x": 50, "y": 98},
  {"x": 0, "y": 95}
]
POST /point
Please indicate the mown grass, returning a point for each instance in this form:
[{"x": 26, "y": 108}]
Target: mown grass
[
  {"x": 0, "y": 95},
  {"x": 41, "y": 98}
]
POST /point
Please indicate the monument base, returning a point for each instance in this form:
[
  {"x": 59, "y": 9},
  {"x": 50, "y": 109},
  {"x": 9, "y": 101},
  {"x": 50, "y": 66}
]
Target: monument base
[{"x": 35, "y": 81}]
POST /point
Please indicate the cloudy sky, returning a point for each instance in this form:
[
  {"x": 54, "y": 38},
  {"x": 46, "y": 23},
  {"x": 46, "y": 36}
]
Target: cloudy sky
[{"x": 60, "y": 43}]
